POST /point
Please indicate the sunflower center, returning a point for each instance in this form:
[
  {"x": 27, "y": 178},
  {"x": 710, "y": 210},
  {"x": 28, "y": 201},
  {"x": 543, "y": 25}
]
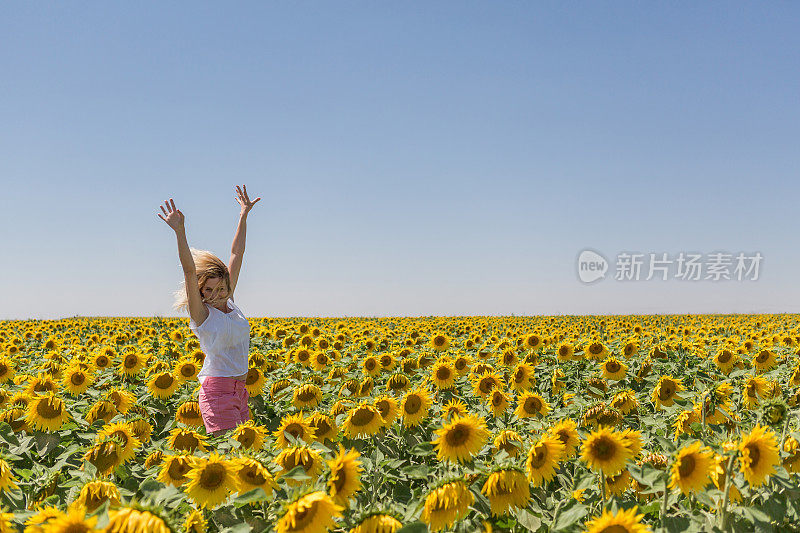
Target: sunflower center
[
  {"x": 77, "y": 378},
  {"x": 538, "y": 456},
  {"x": 213, "y": 476},
  {"x": 596, "y": 348},
  {"x": 178, "y": 468},
  {"x": 603, "y": 448},
  {"x": 687, "y": 466},
  {"x": 615, "y": 528},
  {"x": 164, "y": 381},
  {"x": 362, "y": 416},
  {"x": 612, "y": 367},
  {"x": 383, "y": 407},
  {"x": 102, "y": 361},
  {"x": 666, "y": 391},
  {"x": 486, "y": 385},
  {"x": 187, "y": 370},
  {"x": 725, "y": 356},
  {"x": 131, "y": 361},
  {"x": 412, "y": 404},
  {"x": 294, "y": 429},
  {"x": 755, "y": 455},
  {"x": 458, "y": 435},
  {"x": 443, "y": 373},
  {"x": 304, "y": 517},
  {"x": 252, "y": 476},
  {"x": 533, "y": 405},
  {"x": 246, "y": 437},
  {"x": 762, "y": 357},
  {"x": 306, "y": 394},
  {"x": 439, "y": 340},
  {"x": 47, "y": 408}
]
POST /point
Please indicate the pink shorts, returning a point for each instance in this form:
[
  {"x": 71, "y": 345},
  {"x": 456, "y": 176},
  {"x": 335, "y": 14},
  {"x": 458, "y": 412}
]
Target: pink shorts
[{"x": 223, "y": 403}]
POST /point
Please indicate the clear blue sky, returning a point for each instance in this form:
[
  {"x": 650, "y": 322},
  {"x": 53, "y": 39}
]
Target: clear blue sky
[{"x": 413, "y": 158}]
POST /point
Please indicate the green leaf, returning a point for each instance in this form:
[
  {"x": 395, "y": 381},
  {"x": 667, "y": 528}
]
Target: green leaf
[
  {"x": 414, "y": 527},
  {"x": 571, "y": 514},
  {"x": 255, "y": 495},
  {"x": 528, "y": 520}
]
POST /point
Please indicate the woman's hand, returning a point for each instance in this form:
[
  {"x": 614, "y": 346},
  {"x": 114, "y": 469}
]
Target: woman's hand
[
  {"x": 244, "y": 200},
  {"x": 174, "y": 217}
]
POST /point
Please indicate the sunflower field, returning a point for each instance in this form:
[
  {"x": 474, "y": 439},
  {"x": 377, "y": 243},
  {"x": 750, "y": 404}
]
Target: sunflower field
[{"x": 620, "y": 424}]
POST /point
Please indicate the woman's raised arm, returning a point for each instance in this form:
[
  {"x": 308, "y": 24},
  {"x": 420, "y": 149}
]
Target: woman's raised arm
[
  {"x": 175, "y": 220},
  {"x": 237, "y": 248}
]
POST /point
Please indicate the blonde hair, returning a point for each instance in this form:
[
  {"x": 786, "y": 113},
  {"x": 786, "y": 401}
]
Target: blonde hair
[{"x": 207, "y": 266}]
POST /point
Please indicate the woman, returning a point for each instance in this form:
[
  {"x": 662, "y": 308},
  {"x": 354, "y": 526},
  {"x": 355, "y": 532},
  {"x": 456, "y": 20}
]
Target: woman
[{"x": 220, "y": 326}]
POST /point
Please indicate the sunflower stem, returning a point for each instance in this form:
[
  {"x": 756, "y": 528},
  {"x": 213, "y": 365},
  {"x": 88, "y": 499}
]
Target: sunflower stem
[
  {"x": 664, "y": 504},
  {"x": 785, "y": 430},
  {"x": 723, "y": 514},
  {"x": 603, "y": 490}
]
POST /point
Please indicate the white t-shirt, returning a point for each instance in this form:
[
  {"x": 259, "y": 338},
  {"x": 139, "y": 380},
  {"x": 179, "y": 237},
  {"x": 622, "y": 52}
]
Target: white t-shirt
[{"x": 225, "y": 339}]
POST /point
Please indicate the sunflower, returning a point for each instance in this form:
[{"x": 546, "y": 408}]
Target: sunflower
[
  {"x": 312, "y": 513},
  {"x": 42, "y": 383},
  {"x": 211, "y": 480},
  {"x": 16, "y": 418},
  {"x": 792, "y": 462},
  {"x": 128, "y": 441},
  {"x": 378, "y": 523},
  {"x": 252, "y": 474},
  {"x": 765, "y": 360},
  {"x": 596, "y": 351},
  {"x": 665, "y": 391},
  {"x": 104, "y": 456},
  {"x": 278, "y": 386},
  {"x": 454, "y": 407},
  {"x": 44, "y": 515},
  {"x": 506, "y": 489},
  {"x": 414, "y": 406},
  {"x": 123, "y": 399},
  {"x": 446, "y": 504},
  {"x": 344, "y": 480},
  {"x": 606, "y": 450},
  {"x": 461, "y": 364},
  {"x": 76, "y": 380},
  {"x": 485, "y": 383},
  {"x": 189, "y": 413},
  {"x": 254, "y": 382},
  {"x": 624, "y": 521},
  {"x": 186, "y": 439},
  {"x": 371, "y": 366},
  {"x": 7, "y": 479},
  {"x": 543, "y": 458},
  {"x": 567, "y": 431},
  {"x": 614, "y": 369},
  {"x": 461, "y": 438},
  {"x": 755, "y": 387},
  {"x": 187, "y": 369},
  {"x": 174, "y": 469},
  {"x": 47, "y": 412},
  {"x": 691, "y": 470},
  {"x": 324, "y": 426},
  {"x": 295, "y": 456},
  {"x": 683, "y": 422},
  {"x": 498, "y": 402},
  {"x": 531, "y": 404},
  {"x": 163, "y": 385},
  {"x": 133, "y": 520},
  {"x": 443, "y": 374},
  {"x": 759, "y": 455},
  {"x": 719, "y": 477},
  {"x": 565, "y": 353},
  {"x": 95, "y": 493},
  {"x": 295, "y": 425},
  {"x": 398, "y": 383},
  {"x": 154, "y": 458},
  {"x": 307, "y": 395},
  {"x": 522, "y": 378},
  {"x": 132, "y": 363},
  {"x": 388, "y": 408},
  {"x": 509, "y": 441},
  {"x": 619, "y": 483},
  {"x": 440, "y": 342},
  {"x": 555, "y": 381},
  {"x": 725, "y": 360},
  {"x": 7, "y": 369},
  {"x": 195, "y": 522},
  {"x": 625, "y": 401},
  {"x": 74, "y": 520}
]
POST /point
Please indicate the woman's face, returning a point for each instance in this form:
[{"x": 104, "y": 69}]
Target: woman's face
[{"x": 214, "y": 291}]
